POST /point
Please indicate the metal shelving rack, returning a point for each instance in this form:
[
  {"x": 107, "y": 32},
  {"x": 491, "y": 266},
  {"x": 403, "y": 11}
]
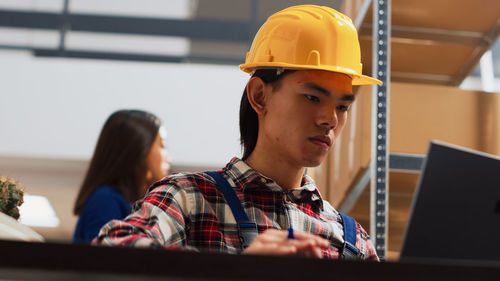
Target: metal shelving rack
[
  {"x": 379, "y": 189},
  {"x": 440, "y": 33}
]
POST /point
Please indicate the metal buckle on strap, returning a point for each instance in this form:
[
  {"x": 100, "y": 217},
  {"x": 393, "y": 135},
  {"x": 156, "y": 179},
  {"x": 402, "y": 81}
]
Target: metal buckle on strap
[
  {"x": 247, "y": 231},
  {"x": 349, "y": 252}
]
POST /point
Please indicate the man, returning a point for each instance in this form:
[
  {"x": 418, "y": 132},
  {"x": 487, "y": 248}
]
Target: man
[{"x": 304, "y": 61}]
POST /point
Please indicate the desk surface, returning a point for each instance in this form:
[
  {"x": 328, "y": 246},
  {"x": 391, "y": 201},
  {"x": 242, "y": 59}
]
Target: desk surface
[{"x": 51, "y": 261}]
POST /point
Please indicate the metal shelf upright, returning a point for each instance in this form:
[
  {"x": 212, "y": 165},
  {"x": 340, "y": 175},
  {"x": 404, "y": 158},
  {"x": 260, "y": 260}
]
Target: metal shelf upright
[{"x": 380, "y": 127}]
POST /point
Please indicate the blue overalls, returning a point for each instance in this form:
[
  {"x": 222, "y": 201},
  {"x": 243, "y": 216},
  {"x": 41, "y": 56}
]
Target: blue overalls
[{"x": 247, "y": 230}]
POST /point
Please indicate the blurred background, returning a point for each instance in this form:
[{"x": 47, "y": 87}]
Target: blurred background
[{"x": 65, "y": 66}]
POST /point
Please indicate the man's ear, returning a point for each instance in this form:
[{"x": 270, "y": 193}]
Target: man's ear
[{"x": 256, "y": 94}]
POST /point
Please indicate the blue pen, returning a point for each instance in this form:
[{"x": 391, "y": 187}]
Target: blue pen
[{"x": 290, "y": 233}]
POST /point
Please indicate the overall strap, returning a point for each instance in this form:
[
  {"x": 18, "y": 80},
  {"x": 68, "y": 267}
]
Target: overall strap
[
  {"x": 349, "y": 251},
  {"x": 247, "y": 230}
]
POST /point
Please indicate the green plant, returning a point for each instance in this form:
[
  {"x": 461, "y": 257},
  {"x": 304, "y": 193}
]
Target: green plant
[{"x": 11, "y": 197}]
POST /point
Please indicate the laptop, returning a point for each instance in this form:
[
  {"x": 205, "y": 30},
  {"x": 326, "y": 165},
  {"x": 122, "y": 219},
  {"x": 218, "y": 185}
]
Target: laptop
[{"x": 455, "y": 214}]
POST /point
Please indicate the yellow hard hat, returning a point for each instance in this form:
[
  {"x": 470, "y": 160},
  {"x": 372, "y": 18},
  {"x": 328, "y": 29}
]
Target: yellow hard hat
[{"x": 308, "y": 37}]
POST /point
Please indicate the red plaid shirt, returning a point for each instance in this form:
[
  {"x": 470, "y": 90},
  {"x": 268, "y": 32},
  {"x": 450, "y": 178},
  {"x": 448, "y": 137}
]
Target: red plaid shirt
[{"x": 189, "y": 211}]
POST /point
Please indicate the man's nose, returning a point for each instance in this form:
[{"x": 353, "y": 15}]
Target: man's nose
[{"x": 328, "y": 117}]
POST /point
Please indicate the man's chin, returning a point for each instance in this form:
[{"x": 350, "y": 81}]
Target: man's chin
[{"x": 313, "y": 162}]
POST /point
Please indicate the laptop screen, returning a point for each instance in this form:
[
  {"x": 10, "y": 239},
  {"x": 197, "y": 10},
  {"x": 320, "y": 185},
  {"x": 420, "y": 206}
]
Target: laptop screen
[{"x": 455, "y": 213}]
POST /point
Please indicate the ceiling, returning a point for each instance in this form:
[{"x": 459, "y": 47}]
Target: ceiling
[{"x": 217, "y": 31}]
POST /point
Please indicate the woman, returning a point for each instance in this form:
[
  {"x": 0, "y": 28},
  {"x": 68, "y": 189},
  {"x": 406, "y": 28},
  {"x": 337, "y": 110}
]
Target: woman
[
  {"x": 130, "y": 155},
  {"x": 304, "y": 61}
]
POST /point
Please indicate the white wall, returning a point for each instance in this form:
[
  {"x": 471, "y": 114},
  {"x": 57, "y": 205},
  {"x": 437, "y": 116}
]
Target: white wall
[
  {"x": 474, "y": 83},
  {"x": 55, "y": 108}
]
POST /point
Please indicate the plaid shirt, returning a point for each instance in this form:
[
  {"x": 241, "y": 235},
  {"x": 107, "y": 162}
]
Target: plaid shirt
[{"x": 188, "y": 211}]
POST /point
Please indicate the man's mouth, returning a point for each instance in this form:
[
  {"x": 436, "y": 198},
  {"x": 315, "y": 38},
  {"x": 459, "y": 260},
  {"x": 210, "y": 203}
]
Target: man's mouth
[{"x": 323, "y": 140}]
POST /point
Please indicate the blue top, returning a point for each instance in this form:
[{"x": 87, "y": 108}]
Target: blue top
[{"x": 103, "y": 205}]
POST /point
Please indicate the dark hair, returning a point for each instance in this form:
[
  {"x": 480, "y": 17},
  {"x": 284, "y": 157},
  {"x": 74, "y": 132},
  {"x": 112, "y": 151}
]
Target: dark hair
[
  {"x": 119, "y": 159},
  {"x": 249, "y": 121}
]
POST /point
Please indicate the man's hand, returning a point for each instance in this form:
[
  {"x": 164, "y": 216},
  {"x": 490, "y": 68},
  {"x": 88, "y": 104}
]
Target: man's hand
[{"x": 275, "y": 242}]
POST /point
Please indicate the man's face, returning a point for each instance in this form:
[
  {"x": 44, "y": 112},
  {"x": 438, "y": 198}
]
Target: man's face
[{"x": 305, "y": 115}]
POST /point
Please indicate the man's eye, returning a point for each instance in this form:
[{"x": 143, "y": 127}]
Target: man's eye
[
  {"x": 312, "y": 98},
  {"x": 343, "y": 107}
]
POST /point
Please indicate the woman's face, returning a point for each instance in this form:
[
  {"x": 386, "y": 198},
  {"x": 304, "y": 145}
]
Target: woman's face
[
  {"x": 305, "y": 115},
  {"x": 157, "y": 160}
]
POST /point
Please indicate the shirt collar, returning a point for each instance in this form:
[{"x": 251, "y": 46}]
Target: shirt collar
[{"x": 247, "y": 178}]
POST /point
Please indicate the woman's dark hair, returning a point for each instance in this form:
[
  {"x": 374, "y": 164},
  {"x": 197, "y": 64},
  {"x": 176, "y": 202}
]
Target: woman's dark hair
[
  {"x": 119, "y": 159},
  {"x": 249, "y": 121}
]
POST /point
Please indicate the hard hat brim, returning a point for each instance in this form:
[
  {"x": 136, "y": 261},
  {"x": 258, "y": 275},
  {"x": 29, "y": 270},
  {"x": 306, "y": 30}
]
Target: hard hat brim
[{"x": 357, "y": 79}]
